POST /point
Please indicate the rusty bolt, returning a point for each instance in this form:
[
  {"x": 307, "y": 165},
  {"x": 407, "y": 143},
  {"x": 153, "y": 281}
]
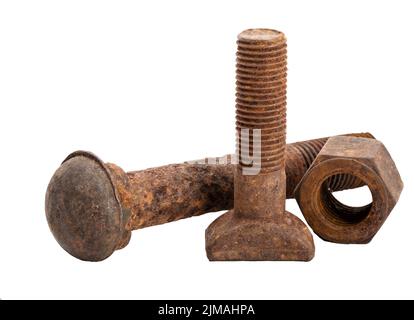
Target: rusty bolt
[
  {"x": 259, "y": 228},
  {"x": 369, "y": 161},
  {"x": 91, "y": 207}
]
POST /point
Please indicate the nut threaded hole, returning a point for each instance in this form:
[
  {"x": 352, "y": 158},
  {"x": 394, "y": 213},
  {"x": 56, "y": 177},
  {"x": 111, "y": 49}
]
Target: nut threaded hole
[{"x": 338, "y": 212}]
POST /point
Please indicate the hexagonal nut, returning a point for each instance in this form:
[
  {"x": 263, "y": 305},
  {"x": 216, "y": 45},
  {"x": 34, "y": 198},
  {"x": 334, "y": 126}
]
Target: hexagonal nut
[{"x": 340, "y": 158}]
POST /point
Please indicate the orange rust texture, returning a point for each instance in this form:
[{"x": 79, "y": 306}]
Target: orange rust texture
[
  {"x": 261, "y": 104},
  {"x": 365, "y": 159},
  {"x": 178, "y": 191},
  {"x": 259, "y": 228},
  {"x": 299, "y": 157},
  {"x": 172, "y": 192}
]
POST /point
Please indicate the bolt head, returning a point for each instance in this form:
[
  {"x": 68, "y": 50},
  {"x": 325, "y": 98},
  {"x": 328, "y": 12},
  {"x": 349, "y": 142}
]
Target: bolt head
[
  {"x": 282, "y": 238},
  {"x": 83, "y": 209}
]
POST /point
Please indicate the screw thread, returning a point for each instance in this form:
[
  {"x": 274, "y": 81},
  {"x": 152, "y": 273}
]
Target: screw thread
[
  {"x": 261, "y": 98},
  {"x": 308, "y": 150},
  {"x": 299, "y": 157}
]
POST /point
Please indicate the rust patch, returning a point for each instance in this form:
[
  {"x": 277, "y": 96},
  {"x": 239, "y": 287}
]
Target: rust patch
[
  {"x": 193, "y": 189},
  {"x": 259, "y": 227},
  {"x": 369, "y": 161}
]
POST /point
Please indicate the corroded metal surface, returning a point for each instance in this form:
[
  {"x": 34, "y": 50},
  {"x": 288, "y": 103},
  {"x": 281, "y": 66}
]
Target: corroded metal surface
[
  {"x": 259, "y": 228},
  {"x": 369, "y": 161},
  {"x": 299, "y": 157},
  {"x": 169, "y": 193},
  {"x": 91, "y": 207},
  {"x": 83, "y": 208}
]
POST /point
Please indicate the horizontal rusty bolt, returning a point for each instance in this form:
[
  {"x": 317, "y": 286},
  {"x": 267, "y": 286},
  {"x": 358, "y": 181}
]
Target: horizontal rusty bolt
[
  {"x": 91, "y": 207},
  {"x": 259, "y": 228},
  {"x": 367, "y": 160}
]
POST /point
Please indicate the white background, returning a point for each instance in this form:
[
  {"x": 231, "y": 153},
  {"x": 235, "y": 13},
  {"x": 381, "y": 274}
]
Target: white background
[{"x": 143, "y": 84}]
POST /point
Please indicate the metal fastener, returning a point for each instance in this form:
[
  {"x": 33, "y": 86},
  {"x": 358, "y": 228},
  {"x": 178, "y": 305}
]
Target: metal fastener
[
  {"x": 369, "y": 161},
  {"x": 91, "y": 207},
  {"x": 259, "y": 228}
]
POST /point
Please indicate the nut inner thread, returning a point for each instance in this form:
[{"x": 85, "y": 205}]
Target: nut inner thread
[
  {"x": 261, "y": 96},
  {"x": 335, "y": 210}
]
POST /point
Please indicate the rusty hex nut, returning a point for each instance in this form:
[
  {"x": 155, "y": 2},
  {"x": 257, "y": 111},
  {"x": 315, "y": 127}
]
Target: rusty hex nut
[{"x": 366, "y": 159}]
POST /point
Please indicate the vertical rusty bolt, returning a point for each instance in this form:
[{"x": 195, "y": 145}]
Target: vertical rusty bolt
[
  {"x": 259, "y": 228},
  {"x": 92, "y": 206}
]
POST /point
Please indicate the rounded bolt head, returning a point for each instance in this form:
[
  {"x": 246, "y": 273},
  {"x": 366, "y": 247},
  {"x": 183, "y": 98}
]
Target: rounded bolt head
[{"x": 83, "y": 209}]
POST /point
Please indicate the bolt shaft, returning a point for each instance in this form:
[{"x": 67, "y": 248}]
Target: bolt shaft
[
  {"x": 261, "y": 106},
  {"x": 172, "y": 192}
]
